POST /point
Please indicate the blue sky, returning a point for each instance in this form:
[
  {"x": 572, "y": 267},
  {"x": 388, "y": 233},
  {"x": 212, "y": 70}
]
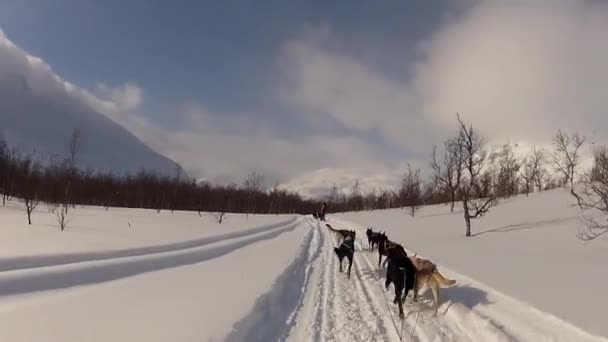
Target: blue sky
[
  {"x": 291, "y": 87},
  {"x": 219, "y": 53}
]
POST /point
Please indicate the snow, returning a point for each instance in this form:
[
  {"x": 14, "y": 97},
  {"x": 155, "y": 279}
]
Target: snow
[
  {"x": 93, "y": 229},
  {"x": 524, "y": 276},
  {"x": 526, "y": 247}
]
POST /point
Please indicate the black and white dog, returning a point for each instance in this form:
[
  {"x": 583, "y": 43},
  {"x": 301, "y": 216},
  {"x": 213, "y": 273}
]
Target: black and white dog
[{"x": 346, "y": 249}]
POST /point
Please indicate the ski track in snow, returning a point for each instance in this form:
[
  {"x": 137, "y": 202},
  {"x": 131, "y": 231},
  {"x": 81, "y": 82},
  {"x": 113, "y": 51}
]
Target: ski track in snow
[
  {"x": 62, "y": 276},
  {"x": 26, "y": 262},
  {"x": 336, "y": 308}
]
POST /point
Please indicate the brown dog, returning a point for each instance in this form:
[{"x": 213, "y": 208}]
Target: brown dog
[{"x": 427, "y": 275}]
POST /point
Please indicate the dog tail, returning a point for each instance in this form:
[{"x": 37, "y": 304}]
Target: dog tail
[
  {"x": 330, "y": 227},
  {"x": 443, "y": 281}
]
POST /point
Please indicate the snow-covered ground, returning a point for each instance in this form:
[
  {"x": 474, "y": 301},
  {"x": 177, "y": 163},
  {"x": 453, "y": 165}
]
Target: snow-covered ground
[
  {"x": 181, "y": 277},
  {"x": 526, "y": 247}
]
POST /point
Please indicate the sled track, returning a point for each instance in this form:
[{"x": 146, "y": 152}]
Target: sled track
[
  {"x": 273, "y": 314},
  {"x": 26, "y": 262},
  {"x": 336, "y": 308},
  {"x": 91, "y": 272}
]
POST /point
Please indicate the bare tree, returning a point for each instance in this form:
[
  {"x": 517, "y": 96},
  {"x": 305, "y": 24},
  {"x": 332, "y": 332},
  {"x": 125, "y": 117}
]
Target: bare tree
[
  {"x": 254, "y": 185},
  {"x": 566, "y": 156},
  {"x": 220, "y": 215},
  {"x": 527, "y": 175},
  {"x": 410, "y": 193},
  {"x": 534, "y": 171},
  {"x": 70, "y": 168},
  {"x": 476, "y": 200},
  {"x": 176, "y": 183},
  {"x": 31, "y": 195},
  {"x": 448, "y": 170},
  {"x": 538, "y": 166},
  {"x": 334, "y": 194},
  {"x": 61, "y": 214},
  {"x": 593, "y": 197},
  {"x": 507, "y": 173},
  {"x": 254, "y": 182},
  {"x": 356, "y": 198}
]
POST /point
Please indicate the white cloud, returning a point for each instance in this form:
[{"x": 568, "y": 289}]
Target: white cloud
[
  {"x": 227, "y": 148},
  {"x": 516, "y": 70},
  {"x": 127, "y": 97}
]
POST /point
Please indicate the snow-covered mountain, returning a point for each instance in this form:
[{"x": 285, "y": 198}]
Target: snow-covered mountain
[
  {"x": 320, "y": 183},
  {"x": 39, "y": 111}
]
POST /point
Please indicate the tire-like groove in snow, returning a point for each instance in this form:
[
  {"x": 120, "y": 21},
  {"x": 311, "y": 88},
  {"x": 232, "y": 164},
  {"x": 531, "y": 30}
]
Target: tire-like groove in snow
[
  {"x": 27, "y": 262},
  {"x": 92, "y": 272},
  {"x": 273, "y": 314}
]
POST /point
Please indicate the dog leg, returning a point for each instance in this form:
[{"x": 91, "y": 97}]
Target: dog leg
[
  {"x": 416, "y": 289},
  {"x": 399, "y": 304},
  {"x": 435, "y": 289},
  {"x": 350, "y": 264}
]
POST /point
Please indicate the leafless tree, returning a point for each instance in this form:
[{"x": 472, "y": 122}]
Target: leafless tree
[
  {"x": 9, "y": 157},
  {"x": 177, "y": 180},
  {"x": 410, "y": 193},
  {"x": 70, "y": 167},
  {"x": 566, "y": 155},
  {"x": 254, "y": 182},
  {"x": 527, "y": 175},
  {"x": 476, "y": 200},
  {"x": 61, "y": 214},
  {"x": 253, "y": 185},
  {"x": 534, "y": 171},
  {"x": 334, "y": 194},
  {"x": 448, "y": 168},
  {"x": 507, "y": 171},
  {"x": 593, "y": 197},
  {"x": 220, "y": 215},
  {"x": 31, "y": 195},
  {"x": 356, "y": 197}
]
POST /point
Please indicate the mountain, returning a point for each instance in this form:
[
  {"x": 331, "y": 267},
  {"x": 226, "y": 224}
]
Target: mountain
[
  {"x": 320, "y": 183},
  {"x": 39, "y": 111}
]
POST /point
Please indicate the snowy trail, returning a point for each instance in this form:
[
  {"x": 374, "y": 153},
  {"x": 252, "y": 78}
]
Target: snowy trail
[
  {"x": 38, "y": 279},
  {"x": 336, "y": 308}
]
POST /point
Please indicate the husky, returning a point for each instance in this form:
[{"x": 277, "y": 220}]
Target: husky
[
  {"x": 373, "y": 238},
  {"x": 346, "y": 249},
  {"x": 427, "y": 275},
  {"x": 343, "y": 232},
  {"x": 401, "y": 272}
]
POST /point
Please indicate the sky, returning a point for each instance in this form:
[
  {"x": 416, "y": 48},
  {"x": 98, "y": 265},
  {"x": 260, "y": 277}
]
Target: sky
[{"x": 324, "y": 88}]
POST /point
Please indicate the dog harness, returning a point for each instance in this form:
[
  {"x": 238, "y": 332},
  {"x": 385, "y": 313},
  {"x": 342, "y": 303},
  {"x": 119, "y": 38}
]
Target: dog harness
[{"x": 348, "y": 243}]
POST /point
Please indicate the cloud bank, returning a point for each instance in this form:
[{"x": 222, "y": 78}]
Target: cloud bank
[{"x": 516, "y": 70}]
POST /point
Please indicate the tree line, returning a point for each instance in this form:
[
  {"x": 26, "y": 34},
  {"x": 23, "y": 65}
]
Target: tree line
[
  {"x": 62, "y": 186},
  {"x": 464, "y": 171}
]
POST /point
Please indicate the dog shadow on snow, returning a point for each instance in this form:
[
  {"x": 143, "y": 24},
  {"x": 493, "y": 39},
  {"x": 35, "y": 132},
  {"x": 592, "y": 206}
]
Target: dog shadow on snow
[{"x": 466, "y": 295}]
